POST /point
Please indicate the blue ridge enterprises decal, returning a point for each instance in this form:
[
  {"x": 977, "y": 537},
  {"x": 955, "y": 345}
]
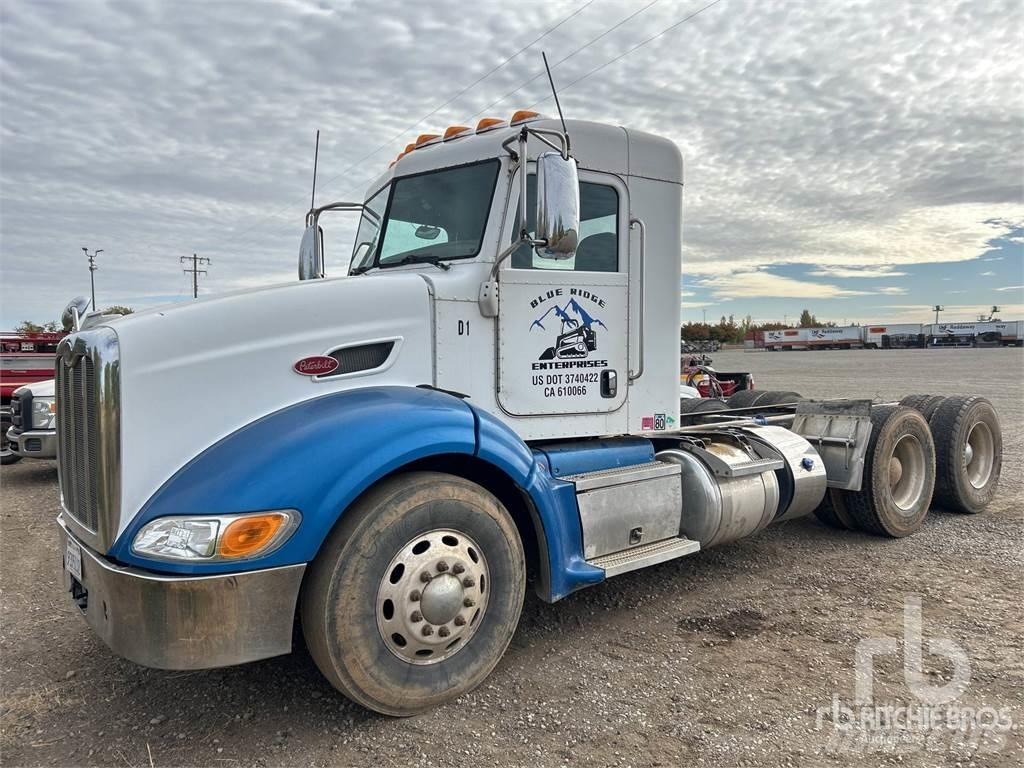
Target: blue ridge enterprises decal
[{"x": 567, "y": 362}]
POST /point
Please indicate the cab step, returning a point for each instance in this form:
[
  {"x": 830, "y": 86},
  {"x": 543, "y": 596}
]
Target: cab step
[{"x": 644, "y": 555}]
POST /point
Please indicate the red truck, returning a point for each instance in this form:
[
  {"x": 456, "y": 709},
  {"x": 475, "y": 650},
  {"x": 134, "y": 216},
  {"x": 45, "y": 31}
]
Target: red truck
[{"x": 25, "y": 358}]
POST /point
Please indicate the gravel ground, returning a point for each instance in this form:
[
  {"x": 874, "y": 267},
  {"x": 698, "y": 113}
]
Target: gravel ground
[{"x": 733, "y": 656}]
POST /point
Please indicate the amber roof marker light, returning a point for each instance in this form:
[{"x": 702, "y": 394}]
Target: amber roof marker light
[
  {"x": 455, "y": 131},
  {"x": 523, "y": 115},
  {"x": 490, "y": 124}
]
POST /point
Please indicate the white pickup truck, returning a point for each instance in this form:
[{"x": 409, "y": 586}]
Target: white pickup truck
[{"x": 33, "y": 430}]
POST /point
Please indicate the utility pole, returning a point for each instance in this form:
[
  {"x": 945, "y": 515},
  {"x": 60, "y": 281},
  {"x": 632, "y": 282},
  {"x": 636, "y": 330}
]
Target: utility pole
[
  {"x": 92, "y": 271},
  {"x": 938, "y": 308},
  {"x": 195, "y": 270}
]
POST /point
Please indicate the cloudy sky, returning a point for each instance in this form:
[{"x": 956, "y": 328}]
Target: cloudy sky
[{"x": 860, "y": 158}]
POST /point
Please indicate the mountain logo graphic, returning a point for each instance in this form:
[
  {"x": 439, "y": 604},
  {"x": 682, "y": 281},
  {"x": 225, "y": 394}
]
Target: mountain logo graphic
[{"x": 576, "y": 336}]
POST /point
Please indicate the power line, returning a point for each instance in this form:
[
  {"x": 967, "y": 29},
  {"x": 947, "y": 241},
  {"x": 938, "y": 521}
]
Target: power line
[
  {"x": 195, "y": 270},
  {"x": 593, "y": 71},
  {"x": 522, "y": 85},
  {"x": 562, "y": 61},
  {"x": 391, "y": 141},
  {"x": 626, "y": 53}
]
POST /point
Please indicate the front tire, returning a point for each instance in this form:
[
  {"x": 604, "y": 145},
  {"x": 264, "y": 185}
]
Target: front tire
[
  {"x": 7, "y": 456},
  {"x": 416, "y": 594}
]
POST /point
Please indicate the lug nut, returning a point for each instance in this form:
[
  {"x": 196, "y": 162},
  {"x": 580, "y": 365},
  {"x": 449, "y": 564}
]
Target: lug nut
[
  {"x": 469, "y": 602},
  {"x": 458, "y": 568},
  {"x": 416, "y": 616},
  {"x": 469, "y": 581},
  {"x": 442, "y": 566},
  {"x": 425, "y": 577},
  {"x": 444, "y": 632},
  {"x": 414, "y": 595},
  {"x": 459, "y": 621},
  {"x": 428, "y": 631}
]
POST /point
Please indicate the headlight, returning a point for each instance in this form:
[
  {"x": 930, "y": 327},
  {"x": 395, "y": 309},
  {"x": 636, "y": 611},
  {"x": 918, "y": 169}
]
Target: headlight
[
  {"x": 44, "y": 412},
  {"x": 211, "y": 539}
]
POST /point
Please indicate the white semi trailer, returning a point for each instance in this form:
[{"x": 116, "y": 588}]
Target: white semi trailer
[
  {"x": 880, "y": 335},
  {"x": 487, "y": 392}
]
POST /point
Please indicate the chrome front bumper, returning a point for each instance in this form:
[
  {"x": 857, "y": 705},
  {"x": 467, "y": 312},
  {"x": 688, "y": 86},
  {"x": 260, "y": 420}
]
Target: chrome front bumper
[
  {"x": 33, "y": 444},
  {"x": 185, "y": 622}
]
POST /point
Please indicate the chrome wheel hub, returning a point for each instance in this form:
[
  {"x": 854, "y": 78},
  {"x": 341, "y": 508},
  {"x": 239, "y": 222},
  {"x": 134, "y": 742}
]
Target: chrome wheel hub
[
  {"x": 432, "y": 596},
  {"x": 907, "y": 472},
  {"x": 979, "y": 455}
]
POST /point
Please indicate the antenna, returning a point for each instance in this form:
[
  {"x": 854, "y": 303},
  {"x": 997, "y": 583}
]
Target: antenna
[
  {"x": 558, "y": 104},
  {"x": 316, "y": 157}
]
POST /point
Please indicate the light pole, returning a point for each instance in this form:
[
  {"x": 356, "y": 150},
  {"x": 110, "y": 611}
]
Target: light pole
[
  {"x": 92, "y": 271},
  {"x": 938, "y": 308}
]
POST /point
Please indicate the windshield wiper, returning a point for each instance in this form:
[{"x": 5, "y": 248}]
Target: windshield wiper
[{"x": 421, "y": 259}]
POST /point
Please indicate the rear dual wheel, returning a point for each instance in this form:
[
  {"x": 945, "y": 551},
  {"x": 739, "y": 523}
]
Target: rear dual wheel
[
  {"x": 416, "y": 594},
  {"x": 968, "y": 449},
  {"x": 899, "y": 474},
  {"x": 968, "y": 453},
  {"x": 925, "y": 404}
]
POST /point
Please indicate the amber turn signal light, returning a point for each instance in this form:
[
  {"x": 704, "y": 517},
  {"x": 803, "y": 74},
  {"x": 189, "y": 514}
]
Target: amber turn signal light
[{"x": 248, "y": 535}]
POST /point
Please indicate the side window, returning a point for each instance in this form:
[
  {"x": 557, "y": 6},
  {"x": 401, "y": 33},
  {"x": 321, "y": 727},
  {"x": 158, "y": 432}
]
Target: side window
[{"x": 598, "y": 250}]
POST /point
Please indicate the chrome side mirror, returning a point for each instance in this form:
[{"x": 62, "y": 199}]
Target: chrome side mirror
[
  {"x": 558, "y": 206},
  {"x": 310, "y": 265},
  {"x": 70, "y": 318}
]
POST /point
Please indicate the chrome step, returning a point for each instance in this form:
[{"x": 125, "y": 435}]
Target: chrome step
[
  {"x": 642, "y": 556},
  {"x": 587, "y": 481}
]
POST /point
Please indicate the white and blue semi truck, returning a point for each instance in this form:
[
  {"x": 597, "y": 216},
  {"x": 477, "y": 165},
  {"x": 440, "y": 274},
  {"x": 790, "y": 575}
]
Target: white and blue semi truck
[{"x": 486, "y": 396}]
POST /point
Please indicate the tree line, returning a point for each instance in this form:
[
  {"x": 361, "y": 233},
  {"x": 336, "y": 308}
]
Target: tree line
[
  {"x": 729, "y": 331},
  {"x": 53, "y": 326}
]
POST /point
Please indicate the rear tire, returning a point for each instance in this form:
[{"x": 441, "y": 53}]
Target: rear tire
[
  {"x": 899, "y": 474},
  {"x": 968, "y": 453},
  {"x": 833, "y": 513},
  {"x": 775, "y": 398},
  {"x": 925, "y": 404},
  {"x": 744, "y": 398},
  {"x": 393, "y": 641},
  {"x": 701, "y": 405}
]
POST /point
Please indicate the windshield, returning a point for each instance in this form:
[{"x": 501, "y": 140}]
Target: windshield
[{"x": 430, "y": 216}]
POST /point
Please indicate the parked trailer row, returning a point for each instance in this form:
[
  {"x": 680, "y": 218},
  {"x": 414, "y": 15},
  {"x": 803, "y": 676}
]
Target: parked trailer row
[
  {"x": 897, "y": 336},
  {"x": 814, "y": 338}
]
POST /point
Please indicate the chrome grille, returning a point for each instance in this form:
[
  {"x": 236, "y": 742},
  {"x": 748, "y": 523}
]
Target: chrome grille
[
  {"x": 76, "y": 447},
  {"x": 88, "y": 434}
]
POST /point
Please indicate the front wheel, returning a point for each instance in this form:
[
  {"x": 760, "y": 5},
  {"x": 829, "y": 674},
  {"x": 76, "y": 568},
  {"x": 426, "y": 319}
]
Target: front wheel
[
  {"x": 7, "y": 456},
  {"x": 416, "y": 594}
]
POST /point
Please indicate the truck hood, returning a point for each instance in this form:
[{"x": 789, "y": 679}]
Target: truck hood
[
  {"x": 193, "y": 373},
  {"x": 38, "y": 388}
]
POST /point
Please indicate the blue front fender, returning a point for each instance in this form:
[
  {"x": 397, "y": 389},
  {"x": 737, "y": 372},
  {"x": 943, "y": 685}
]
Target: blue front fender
[{"x": 318, "y": 456}]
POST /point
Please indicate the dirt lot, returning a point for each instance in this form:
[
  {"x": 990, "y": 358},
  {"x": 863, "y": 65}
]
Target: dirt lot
[{"x": 730, "y": 657}]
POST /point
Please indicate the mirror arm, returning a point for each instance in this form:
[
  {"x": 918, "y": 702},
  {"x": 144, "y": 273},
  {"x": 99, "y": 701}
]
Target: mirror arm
[{"x": 337, "y": 206}]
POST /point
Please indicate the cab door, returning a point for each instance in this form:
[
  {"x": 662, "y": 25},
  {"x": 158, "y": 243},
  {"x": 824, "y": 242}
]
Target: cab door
[{"x": 563, "y": 341}]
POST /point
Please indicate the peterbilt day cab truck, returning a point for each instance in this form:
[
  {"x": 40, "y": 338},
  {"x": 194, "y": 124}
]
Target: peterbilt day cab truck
[{"x": 490, "y": 389}]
